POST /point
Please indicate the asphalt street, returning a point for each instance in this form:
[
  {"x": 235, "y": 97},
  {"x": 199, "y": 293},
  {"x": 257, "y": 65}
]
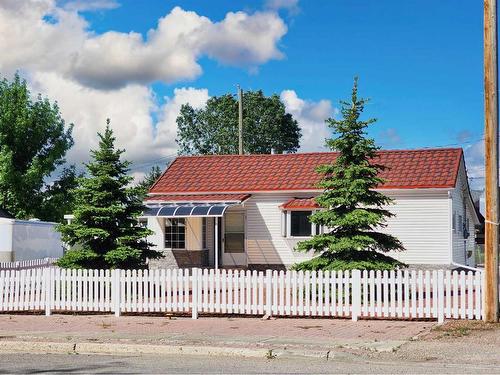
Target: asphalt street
[{"x": 182, "y": 364}]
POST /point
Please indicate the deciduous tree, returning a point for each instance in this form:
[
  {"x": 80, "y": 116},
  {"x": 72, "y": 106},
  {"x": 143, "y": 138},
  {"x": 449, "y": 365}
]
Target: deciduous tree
[
  {"x": 34, "y": 140},
  {"x": 214, "y": 129}
]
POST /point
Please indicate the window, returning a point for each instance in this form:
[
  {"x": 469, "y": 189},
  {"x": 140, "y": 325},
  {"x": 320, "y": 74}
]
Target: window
[
  {"x": 234, "y": 233},
  {"x": 460, "y": 224},
  {"x": 300, "y": 226},
  {"x": 175, "y": 233},
  {"x": 143, "y": 222},
  {"x": 466, "y": 228},
  {"x": 454, "y": 222},
  {"x": 297, "y": 224}
]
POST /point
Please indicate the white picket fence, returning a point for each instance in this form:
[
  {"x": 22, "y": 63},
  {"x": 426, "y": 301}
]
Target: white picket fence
[
  {"x": 355, "y": 294},
  {"x": 32, "y": 263}
]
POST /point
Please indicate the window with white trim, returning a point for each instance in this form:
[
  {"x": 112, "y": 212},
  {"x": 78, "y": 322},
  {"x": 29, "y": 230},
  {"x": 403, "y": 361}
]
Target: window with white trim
[
  {"x": 175, "y": 233},
  {"x": 300, "y": 226},
  {"x": 297, "y": 224}
]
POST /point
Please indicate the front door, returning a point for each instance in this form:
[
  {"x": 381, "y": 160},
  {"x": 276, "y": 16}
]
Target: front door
[{"x": 234, "y": 240}]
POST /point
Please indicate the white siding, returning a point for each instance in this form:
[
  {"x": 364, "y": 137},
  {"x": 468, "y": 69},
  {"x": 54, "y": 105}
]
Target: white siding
[
  {"x": 265, "y": 243},
  {"x": 25, "y": 240},
  {"x": 462, "y": 206},
  {"x": 422, "y": 223}
]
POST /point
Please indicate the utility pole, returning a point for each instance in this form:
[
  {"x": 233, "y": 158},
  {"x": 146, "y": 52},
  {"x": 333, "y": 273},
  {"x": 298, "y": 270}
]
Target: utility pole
[
  {"x": 491, "y": 161},
  {"x": 240, "y": 121}
]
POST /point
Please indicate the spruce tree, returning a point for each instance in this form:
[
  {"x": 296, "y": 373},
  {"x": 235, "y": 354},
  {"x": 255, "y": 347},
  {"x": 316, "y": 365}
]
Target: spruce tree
[
  {"x": 351, "y": 209},
  {"x": 105, "y": 232},
  {"x": 149, "y": 179}
]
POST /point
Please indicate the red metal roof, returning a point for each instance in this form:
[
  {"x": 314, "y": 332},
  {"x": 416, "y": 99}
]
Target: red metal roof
[
  {"x": 300, "y": 204},
  {"x": 199, "y": 197},
  {"x": 406, "y": 169}
]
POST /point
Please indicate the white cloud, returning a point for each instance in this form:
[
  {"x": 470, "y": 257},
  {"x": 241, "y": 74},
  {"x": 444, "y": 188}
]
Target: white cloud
[
  {"x": 90, "y": 5},
  {"x": 311, "y": 117},
  {"x": 171, "y": 51},
  {"x": 291, "y": 6},
  {"x": 130, "y": 110},
  {"x": 167, "y": 126},
  {"x": 474, "y": 158},
  {"x": 31, "y": 42},
  {"x": 245, "y": 40},
  {"x": 43, "y": 36}
]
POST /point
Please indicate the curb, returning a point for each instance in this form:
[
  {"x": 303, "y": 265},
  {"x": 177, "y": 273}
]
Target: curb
[
  {"x": 106, "y": 348},
  {"x": 123, "y": 349},
  {"x": 10, "y": 346}
]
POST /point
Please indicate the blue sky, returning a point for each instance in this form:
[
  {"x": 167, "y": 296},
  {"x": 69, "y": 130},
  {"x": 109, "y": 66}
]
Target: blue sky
[{"x": 420, "y": 61}]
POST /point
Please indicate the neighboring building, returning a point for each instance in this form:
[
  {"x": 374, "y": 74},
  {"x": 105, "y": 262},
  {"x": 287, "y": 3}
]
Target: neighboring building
[
  {"x": 251, "y": 210},
  {"x": 28, "y": 239},
  {"x": 479, "y": 201}
]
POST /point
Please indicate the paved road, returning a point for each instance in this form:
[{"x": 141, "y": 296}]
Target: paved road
[{"x": 79, "y": 363}]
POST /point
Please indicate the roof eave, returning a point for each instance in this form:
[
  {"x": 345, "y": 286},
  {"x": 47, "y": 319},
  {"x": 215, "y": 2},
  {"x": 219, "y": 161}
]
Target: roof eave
[{"x": 277, "y": 191}]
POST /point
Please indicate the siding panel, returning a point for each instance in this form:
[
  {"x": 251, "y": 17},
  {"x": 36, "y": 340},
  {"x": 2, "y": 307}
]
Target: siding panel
[
  {"x": 421, "y": 222},
  {"x": 265, "y": 244},
  {"x": 462, "y": 206}
]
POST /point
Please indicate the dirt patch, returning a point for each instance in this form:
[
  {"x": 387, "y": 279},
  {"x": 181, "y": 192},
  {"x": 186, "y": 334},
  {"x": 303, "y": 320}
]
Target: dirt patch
[
  {"x": 309, "y": 327},
  {"x": 459, "y": 328}
]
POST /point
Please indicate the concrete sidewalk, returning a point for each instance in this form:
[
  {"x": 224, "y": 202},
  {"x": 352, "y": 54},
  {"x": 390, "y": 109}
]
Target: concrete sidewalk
[{"x": 207, "y": 335}]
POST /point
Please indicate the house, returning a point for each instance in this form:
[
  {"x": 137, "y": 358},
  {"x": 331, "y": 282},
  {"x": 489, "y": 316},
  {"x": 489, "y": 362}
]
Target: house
[
  {"x": 251, "y": 210},
  {"x": 28, "y": 239}
]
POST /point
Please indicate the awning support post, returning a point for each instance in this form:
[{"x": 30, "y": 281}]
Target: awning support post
[{"x": 216, "y": 235}]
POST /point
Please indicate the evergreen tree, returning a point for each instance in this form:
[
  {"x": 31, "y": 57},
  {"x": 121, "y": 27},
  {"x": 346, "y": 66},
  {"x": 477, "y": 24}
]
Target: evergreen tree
[
  {"x": 105, "y": 231},
  {"x": 149, "y": 179},
  {"x": 351, "y": 209}
]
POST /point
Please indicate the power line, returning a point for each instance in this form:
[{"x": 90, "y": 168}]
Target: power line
[
  {"x": 443, "y": 146},
  {"x": 457, "y": 143},
  {"x": 152, "y": 162}
]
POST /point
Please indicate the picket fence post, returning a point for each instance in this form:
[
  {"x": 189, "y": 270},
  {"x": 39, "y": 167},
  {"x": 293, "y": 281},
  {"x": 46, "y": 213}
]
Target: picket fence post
[
  {"x": 356, "y": 295},
  {"x": 194, "y": 295},
  {"x": 269, "y": 291},
  {"x": 116, "y": 290},
  {"x": 47, "y": 283},
  {"x": 440, "y": 297}
]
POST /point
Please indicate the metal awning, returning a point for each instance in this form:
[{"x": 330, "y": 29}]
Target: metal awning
[{"x": 188, "y": 210}]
